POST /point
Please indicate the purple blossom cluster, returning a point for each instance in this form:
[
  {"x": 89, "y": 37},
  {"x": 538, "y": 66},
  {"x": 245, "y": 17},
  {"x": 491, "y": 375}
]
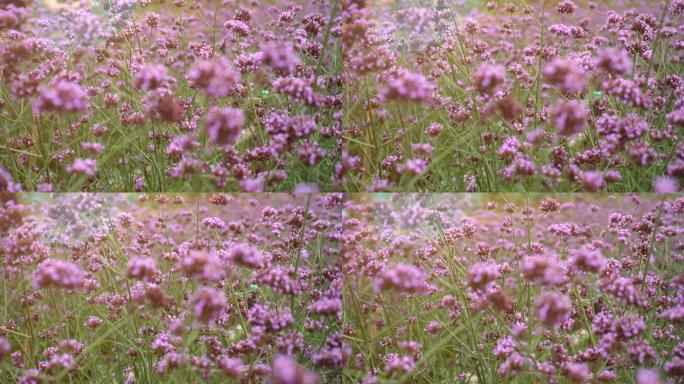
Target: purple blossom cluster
[{"x": 576, "y": 288}]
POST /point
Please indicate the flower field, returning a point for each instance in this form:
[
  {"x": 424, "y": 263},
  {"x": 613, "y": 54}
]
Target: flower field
[
  {"x": 514, "y": 96},
  {"x": 342, "y": 191},
  {"x": 328, "y": 288},
  {"x": 127, "y": 96},
  {"x": 170, "y": 288},
  {"x": 514, "y": 288}
]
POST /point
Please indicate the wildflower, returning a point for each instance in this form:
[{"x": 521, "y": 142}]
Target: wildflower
[
  {"x": 326, "y": 307},
  {"x": 214, "y": 77},
  {"x": 543, "y": 269},
  {"x": 224, "y": 125},
  {"x": 565, "y": 74},
  {"x": 86, "y": 167},
  {"x": 280, "y": 57},
  {"x": 6, "y": 182},
  {"x": 592, "y": 181},
  {"x": 406, "y": 86},
  {"x": 569, "y": 118},
  {"x": 396, "y": 363},
  {"x": 481, "y": 274},
  {"x": 7, "y": 19},
  {"x": 413, "y": 167},
  {"x": 213, "y": 223},
  {"x": 434, "y": 129},
  {"x": 674, "y": 314},
  {"x": 58, "y": 273},
  {"x": 628, "y": 326},
  {"x": 404, "y": 278},
  {"x": 63, "y": 96},
  {"x": 5, "y": 348},
  {"x": 208, "y": 304},
  {"x": 142, "y": 268},
  {"x": 614, "y": 61},
  {"x": 297, "y": 89},
  {"x": 245, "y": 255},
  {"x": 553, "y": 309},
  {"x": 150, "y": 77},
  {"x": 231, "y": 367},
  {"x": 271, "y": 320},
  {"x": 664, "y": 185},
  {"x": 168, "y": 362},
  {"x": 279, "y": 280},
  {"x": 93, "y": 322},
  {"x": 587, "y": 260},
  {"x": 566, "y": 6},
  {"x": 647, "y": 376},
  {"x": 627, "y": 91},
  {"x": 488, "y": 77},
  {"x": 334, "y": 353},
  {"x": 202, "y": 265},
  {"x": 287, "y": 371},
  {"x": 577, "y": 372},
  {"x": 675, "y": 366}
]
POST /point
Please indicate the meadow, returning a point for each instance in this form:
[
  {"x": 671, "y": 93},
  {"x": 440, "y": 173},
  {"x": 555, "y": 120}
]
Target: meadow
[
  {"x": 128, "y": 288},
  {"x": 333, "y": 288},
  {"x": 514, "y": 288},
  {"x": 124, "y": 96},
  {"x": 341, "y": 191},
  {"x": 514, "y": 96}
]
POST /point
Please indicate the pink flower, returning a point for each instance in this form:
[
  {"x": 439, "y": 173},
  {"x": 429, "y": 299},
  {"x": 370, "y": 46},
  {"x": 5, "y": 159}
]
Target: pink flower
[
  {"x": 213, "y": 223},
  {"x": 213, "y": 77},
  {"x": 224, "y": 125},
  {"x": 577, "y": 372},
  {"x": 566, "y": 74},
  {"x": 232, "y": 367},
  {"x": 406, "y": 86},
  {"x": 63, "y": 96},
  {"x": 86, "y": 167},
  {"x": 615, "y": 61},
  {"x": 58, "y": 273},
  {"x": 280, "y": 57},
  {"x": 553, "y": 309},
  {"x": 93, "y": 322},
  {"x": 481, "y": 274},
  {"x": 403, "y": 278},
  {"x": 5, "y": 348},
  {"x": 150, "y": 77},
  {"x": 664, "y": 185},
  {"x": 142, "y": 268},
  {"x": 488, "y": 77},
  {"x": 287, "y": 371},
  {"x": 592, "y": 181},
  {"x": 647, "y": 376},
  {"x": 202, "y": 265},
  {"x": 208, "y": 304},
  {"x": 245, "y": 255},
  {"x": 588, "y": 260},
  {"x": 569, "y": 118}
]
